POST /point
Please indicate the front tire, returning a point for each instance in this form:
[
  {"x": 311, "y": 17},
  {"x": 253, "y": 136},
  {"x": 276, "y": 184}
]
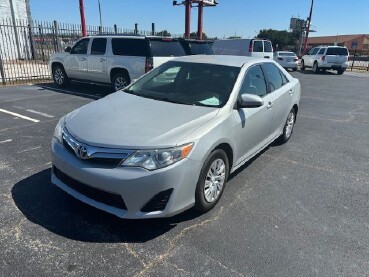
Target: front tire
[
  {"x": 302, "y": 66},
  {"x": 59, "y": 76},
  {"x": 120, "y": 81},
  {"x": 288, "y": 127},
  {"x": 212, "y": 181},
  {"x": 340, "y": 71}
]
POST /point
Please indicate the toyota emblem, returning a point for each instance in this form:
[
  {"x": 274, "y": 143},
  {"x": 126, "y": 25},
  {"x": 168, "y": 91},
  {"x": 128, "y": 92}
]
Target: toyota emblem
[{"x": 81, "y": 152}]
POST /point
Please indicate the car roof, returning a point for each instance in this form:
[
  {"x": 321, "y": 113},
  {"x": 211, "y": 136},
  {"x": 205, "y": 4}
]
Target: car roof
[
  {"x": 285, "y": 52},
  {"x": 236, "y": 61}
]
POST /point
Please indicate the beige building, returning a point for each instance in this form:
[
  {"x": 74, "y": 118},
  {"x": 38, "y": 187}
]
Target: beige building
[{"x": 359, "y": 42}]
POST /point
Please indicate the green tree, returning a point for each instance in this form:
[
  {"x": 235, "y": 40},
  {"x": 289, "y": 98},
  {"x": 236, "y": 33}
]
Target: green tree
[
  {"x": 163, "y": 33},
  {"x": 193, "y": 35},
  {"x": 282, "y": 39}
]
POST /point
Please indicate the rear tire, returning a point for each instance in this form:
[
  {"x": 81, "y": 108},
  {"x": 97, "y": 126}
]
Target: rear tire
[
  {"x": 302, "y": 66},
  {"x": 59, "y": 76},
  {"x": 120, "y": 81},
  {"x": 316, "y": 68},
  {"x": 294, "y": 69},
  {"x": 340, "y": 71},
  {"x": 212, "y": 181},
  {"x": 288, "y": 127}
]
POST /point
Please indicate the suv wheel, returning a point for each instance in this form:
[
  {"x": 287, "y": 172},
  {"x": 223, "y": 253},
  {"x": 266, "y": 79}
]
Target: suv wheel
[
  {"x": 212, "y": 180},
  {"x": 59, "y": 76},
  {"x": 120, "y": 81},
  {"x": 315, "y": 67},
  {"x": 340, "y": 71},
  {"x": 302, "y": 66}
]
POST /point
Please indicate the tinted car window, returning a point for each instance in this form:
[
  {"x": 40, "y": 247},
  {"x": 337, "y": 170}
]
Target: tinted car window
[
  {"x": 287, "y": 54},
  {"x": 80, "y": 47},
  {"x": 337, "y": 51},
  {"x": 268, "y": 46},
  {"x": 321, "y": 51},
  {"x": 313, "y": 51},
  {"x": 284, "y": 78},
  {"x": 200, "y": 49},
  {"x": 130, "y": 47},
  {"x": 163, "y": 48},
  {"x": 188, "y": 83},
  {"x": 98, "y": 46},
  {"x": 258, "y": 46},
  {"x": 273, "y": 75},
  {"x": 254, "y": 82}
]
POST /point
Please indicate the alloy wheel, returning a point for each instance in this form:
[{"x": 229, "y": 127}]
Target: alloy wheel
[
  {"x": 214, "y": 180},
  {"x": 59, "y": 76},
  {"x": 290, "y": 123}
]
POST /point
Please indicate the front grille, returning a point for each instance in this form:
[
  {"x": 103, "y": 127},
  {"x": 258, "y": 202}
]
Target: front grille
[
  {"x": 158, "y": 202},
  {"x": 111, "y": 199}
]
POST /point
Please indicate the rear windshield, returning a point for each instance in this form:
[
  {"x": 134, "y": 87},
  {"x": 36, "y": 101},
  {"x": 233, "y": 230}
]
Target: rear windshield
[
  {"x": 130, "y": 47},
  {"x": 160, "y": 48},
  {"x": 337, "y": 51},
  {"x": 200, "y": 49},
  {"x": 287, "y": 54},
  {"x": 268, "y": 46}
]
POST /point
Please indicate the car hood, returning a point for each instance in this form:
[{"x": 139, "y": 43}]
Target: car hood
[{"x": 123, "y": 120}]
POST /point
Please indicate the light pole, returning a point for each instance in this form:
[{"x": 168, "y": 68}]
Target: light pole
[
  {"x": 100, "y": 15},
  {"x": 308, "y": 27}
]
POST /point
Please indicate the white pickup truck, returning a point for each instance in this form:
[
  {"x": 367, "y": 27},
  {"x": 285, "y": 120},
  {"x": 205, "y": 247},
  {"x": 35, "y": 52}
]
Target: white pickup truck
[{"x": 112, "y": 59}]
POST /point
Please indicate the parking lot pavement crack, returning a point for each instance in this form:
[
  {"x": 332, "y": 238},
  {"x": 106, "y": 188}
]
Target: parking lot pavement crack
[{"x": 179, "y": 269}]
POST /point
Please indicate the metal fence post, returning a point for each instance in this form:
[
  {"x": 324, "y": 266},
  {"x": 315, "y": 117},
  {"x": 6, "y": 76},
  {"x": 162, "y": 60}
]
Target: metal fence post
[
  {"x": 353, "y": 60},
  {"x": 115, "y": 29},
  {"x": 136, "y": 28},
  {"x": 41, "y": 42},
  {"x": 31, "y": 42},
  {"x": 2, "y": 71},
  {"x": 55, "y": 36}
]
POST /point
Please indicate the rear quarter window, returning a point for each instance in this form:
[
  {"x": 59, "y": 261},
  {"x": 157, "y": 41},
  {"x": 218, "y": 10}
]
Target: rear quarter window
[
  {"x": 337, "y": 51},
  {"x": 130, "y": 47},
  {"x": 161, "y": 48}
]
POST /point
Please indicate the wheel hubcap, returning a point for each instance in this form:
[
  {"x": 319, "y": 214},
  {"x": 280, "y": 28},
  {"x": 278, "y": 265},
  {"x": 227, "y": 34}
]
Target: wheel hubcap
[
  {"x": 120, "y": 83},
  {"x": 214, "y": 180},
  {"x": 59, "y": 76},
  {"x": 289, "y": 124}
]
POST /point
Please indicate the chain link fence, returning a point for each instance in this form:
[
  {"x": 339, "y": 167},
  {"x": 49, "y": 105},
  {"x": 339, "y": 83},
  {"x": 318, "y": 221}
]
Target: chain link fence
[{"x": 26, "y": 47}]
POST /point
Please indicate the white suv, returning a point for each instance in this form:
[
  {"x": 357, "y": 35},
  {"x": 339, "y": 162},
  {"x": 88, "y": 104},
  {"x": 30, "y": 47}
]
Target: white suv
[
  {"x": 326, "y": 57},
  {"x": 112, "y": 59}
]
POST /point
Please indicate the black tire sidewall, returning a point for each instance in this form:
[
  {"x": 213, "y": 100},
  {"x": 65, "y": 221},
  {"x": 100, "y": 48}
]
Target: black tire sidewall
[
  {"x": 302, "y": 65},
  {"x": 315, "y": 67},
  {"x": 200, "y": 203}
]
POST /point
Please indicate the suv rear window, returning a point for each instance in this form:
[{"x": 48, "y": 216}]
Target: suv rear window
[
  {"x": 337, "y": 51},
  {"x": 163, "y": 48},
  {"x": 258, "y": 46},
  {"x": 130, "y": 47},
  {"x": 200, "y": 48},
  {"x": 268, "y": 46}
]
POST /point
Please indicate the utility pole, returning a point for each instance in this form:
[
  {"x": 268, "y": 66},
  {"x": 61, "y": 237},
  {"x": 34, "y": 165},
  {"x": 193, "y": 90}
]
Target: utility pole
[
  {"x": 308, "y": 27},
  {"x": 200, "y": 23},
  {"x": 188, "y": 19},
  {"x": 100, "y": 15},
  {"x": 83, "y": 20}
]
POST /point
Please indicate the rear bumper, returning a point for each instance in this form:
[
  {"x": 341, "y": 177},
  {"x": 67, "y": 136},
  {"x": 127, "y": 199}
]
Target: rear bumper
[{"x": 343, "y": 66}]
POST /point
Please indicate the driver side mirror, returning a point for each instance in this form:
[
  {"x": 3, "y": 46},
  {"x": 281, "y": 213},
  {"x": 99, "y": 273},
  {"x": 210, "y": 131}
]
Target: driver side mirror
[
  {"x": 247, "y": 100},
  {"x": 68, "y": 49}
]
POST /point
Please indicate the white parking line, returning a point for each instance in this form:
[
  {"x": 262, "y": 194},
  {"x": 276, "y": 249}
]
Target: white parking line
[
  {"x": 30, "y": 149},
  {"x": 19, "y": 115},
  {"x": 40, "y": 113},
  {"x": 5, "y": 141}
]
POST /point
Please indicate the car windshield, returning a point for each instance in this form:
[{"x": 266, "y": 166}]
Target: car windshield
[
  {"x": 337, "y": 51},
  {"x": 287, "y": 54},
  {"x": 198, "y": 84}
]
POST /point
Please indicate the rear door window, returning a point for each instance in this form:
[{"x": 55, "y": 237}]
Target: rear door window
[
  {"x": 268, "y": 46},
  {"x": 258, "y": 46},
  {"x": 166, "y": 48},
  {"x": 98, "y": 46},
  {"x": 130, "y": 47},
  {"x": 340, "y": 51},
  {"x": 274, "y": 76}
]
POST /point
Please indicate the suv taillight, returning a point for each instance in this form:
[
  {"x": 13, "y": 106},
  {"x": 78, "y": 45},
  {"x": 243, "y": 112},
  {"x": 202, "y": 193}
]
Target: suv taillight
[
  {"x": 323, "y": 58},
  {"x": 149, "y": 64}
]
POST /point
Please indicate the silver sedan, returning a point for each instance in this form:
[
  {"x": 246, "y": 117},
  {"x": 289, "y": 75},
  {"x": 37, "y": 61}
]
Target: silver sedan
[
  {"x": 170, "y": 140},
  {"x": 286, "y": 59}
]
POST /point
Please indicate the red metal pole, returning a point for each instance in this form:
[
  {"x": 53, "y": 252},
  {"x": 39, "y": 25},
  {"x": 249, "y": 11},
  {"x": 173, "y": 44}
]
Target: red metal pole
[
  {"x": 188, "y": 19},
  {"x": 308, "y": 28},
  {"x": 200, "y": 21},
  {"x": 83, "y": 20}
]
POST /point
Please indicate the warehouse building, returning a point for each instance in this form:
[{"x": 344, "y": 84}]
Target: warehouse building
[{"x": 352, "y": 42}]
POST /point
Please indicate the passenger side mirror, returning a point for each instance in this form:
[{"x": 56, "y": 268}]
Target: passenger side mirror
[
  {"x": 68, "y": 49},
  {"x": 247, "y": 100}
]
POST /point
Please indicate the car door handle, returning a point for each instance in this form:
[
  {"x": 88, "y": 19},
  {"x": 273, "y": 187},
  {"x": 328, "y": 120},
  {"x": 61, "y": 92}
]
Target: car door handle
[
  {"x": 270, "y": 105},
  {"x": 290, "y": 91},
  {"x": 267, "y": 57},
  {"x": 102, "y": 60},
  {"x": 83, "y": 59}
]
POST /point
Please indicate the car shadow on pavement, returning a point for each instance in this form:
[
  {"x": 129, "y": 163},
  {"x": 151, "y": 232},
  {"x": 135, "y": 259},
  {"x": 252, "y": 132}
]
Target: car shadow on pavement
[
  {"x": 46, "y": 205},
  {"x": 79, "y": 89},
  {"x": 310, "y": 72}
]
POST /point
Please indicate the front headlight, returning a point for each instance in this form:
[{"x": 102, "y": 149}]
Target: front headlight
[
  {"x": 58, "y": 134},
  {"x": 159, "y": 158}
]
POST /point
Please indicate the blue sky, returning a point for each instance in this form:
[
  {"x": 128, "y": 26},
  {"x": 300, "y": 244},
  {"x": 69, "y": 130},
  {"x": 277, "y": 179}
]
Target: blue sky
[{"x": 240, "y": 17}]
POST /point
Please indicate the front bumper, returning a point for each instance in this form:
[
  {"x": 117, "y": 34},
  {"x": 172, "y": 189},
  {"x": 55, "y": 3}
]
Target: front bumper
[{"x": 136, "y": 186}]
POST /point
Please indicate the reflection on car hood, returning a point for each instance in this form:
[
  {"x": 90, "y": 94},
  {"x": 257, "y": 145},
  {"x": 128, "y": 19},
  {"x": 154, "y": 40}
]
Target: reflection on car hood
[{"x": 124, "y": 120}]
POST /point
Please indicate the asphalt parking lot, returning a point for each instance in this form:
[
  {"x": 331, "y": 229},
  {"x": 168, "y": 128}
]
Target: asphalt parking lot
[{"x": 300, "y": 209}]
